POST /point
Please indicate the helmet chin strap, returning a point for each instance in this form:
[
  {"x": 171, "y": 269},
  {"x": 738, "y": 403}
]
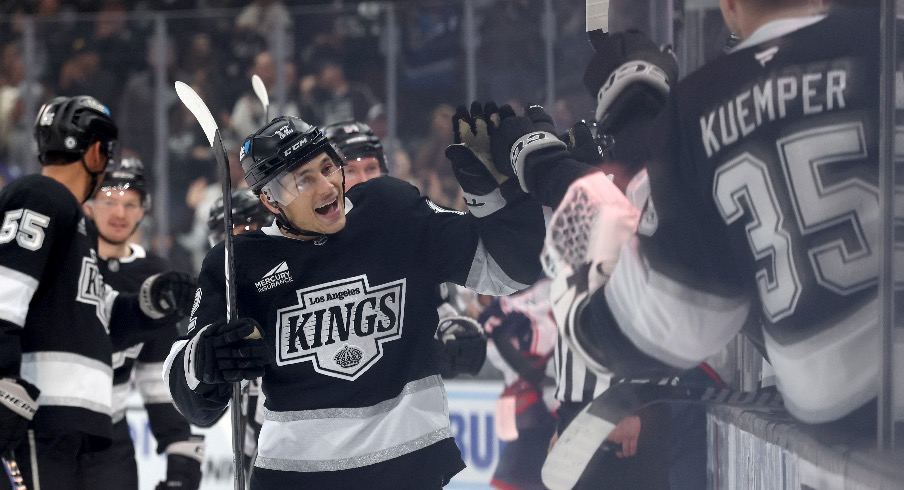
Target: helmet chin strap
[{"x": 94, "y": 178}]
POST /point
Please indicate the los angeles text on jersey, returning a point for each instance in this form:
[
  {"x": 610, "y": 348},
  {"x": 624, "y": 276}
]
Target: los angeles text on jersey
[
  {"x": 806, "y": 91},
  {"x": 340, "y": 326}
]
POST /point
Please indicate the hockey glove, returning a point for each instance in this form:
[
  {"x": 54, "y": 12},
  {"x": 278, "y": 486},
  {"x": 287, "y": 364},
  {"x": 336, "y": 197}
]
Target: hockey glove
[
  {"x": 463, "y": 346},
  {"x": 629, "y": 76},
  {"x": 168, "y": 295},
  {"x": 183, "y": 465},
  {"x": 585, "y": 144},
  {"x": 223, "y": 353},
  {"x": 523, "y": 141},
  {"x": 485, "y": 188},
  {"x": 17, "y": 408}
]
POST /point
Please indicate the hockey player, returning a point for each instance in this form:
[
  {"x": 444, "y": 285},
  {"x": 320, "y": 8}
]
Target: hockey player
[
  {"x": 56, "y": 309},
  {"x": 342, "y": 291},
  {"x": 361, "y": 148},
  {"x": 764, "y": 200},
  {"x": 117, "y": 210},
  {"x": 248, "y": 214}
]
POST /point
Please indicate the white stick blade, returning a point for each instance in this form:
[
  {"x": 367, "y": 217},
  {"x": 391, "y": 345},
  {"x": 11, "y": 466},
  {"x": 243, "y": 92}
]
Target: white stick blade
[
  {"x": 597, "y": 15},
  {"x": 260, "y": 90},
  {"x": 197, "y": 107}
]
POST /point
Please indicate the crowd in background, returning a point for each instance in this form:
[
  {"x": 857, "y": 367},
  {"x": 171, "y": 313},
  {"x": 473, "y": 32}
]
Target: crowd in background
[{"x": 334, "y": 69}]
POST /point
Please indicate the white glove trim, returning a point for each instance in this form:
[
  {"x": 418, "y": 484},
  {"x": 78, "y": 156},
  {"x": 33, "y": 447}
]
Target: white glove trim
[
  {"x": 528, "y": 143},
  {"x": 485, "y": 205},
  {"x": 146, "y": 303},
  {"x": 634, "y": 71},
  {"x": 193, "y": 449},
  {"x": 14, "y": 396}
]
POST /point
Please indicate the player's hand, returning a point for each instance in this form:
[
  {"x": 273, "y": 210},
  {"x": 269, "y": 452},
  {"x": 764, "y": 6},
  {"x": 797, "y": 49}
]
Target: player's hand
[
  {"x": 522, "y": 141},
  {"x": 167, "y": 295},
  {"x": 228, "y": 352},
  {"x": 17, "y": 408},
  {"x": 183, "y": 465},
  {"x": 584, "y": 144},
  {"x": 463, "y": 346},
  {"x": 629, "y": 76},
  {"x": 626, "y": 434},
  {"x": 485, "y": 184}
]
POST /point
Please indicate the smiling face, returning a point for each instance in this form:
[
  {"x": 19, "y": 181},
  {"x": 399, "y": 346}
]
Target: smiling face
[
  {"x": 311, "y": 196},
  {"x": 117, "y": 214},
  {"x": 359, "y": 170}
]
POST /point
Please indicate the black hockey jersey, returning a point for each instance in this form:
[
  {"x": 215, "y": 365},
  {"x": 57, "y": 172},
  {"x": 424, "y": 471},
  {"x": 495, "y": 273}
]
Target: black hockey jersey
[
  {"x": 353, "y": 382},
  {"x": 55, "y": 307},
  {"x": 764, "y": 182},
  {"x": 144, "y": 359}
]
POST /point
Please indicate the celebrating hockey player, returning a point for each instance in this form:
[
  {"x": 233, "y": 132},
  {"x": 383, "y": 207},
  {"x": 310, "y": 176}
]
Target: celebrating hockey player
[
  {"x": 763, "y": 200},
  {"x": 117, "y": 210},
  {"x": 57, "y": 379},
  {"x": 341, "y": 288}
]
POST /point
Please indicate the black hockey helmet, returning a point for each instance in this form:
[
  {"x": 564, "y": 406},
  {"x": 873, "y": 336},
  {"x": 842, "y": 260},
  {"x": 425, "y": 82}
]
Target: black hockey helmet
[
  {"x": 284, "y": 144},
  {"x": 247, "y": 209},
  {"x": 127, "y": 173},
  {"x": 69, "y": 125},
  {"x": 356, "y": 140}
]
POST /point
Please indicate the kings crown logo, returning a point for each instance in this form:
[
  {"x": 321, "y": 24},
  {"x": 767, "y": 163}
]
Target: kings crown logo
[{"x": 340, "y": 327}]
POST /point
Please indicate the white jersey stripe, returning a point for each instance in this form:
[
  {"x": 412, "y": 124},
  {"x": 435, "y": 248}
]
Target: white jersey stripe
[
  {"x": 16, "y": 290},
  {"x": 70, "y": 380},
  {"x": 808, "y": 375},
  {"x": 295, "y": 441},
  {"x": 486, "y": 277},
  {"x": 666, "y": 319},
  {"x": 150, "y": 384},
  {"x": 121, "y": 393}
]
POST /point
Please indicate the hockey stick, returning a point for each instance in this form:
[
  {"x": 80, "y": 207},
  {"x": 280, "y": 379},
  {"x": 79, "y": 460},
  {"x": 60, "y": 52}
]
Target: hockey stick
[
  {"x": 261, "y": 91},
  {"x": 199, "y": 109},
  {"x": 568, "y": 458},
  {"x": 16, "y": 481}
]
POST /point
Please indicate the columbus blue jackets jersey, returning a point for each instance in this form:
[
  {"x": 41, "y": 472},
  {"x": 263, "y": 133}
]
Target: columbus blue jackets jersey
[
  {"x": 54, "y": 307},
  {"x": 143, "y": 362},
  {"x": 353, "y": 389},
  {"x": 764, "y": 181}
]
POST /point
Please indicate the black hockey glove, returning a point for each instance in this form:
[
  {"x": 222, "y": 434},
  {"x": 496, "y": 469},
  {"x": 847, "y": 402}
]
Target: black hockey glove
[
  {"x": 17, "y": 408},
  {"x": 524, "y": 141},
  {"x": 463, "y": 346},
  {"x": 168, "y": 295},
  {"x": 585, "y": 144},
  {"x": 629, "y": 76},
  {"x": 183, "y": 464},
  {"x": 485, "y": 188},
  {"x": 228, "y": 352}
]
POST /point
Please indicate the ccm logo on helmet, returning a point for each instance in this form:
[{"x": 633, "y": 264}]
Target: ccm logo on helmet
[{"x": 298, "y": 144}]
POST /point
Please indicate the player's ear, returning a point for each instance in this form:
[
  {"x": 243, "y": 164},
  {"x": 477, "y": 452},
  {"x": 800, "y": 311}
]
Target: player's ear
[
  {"x": 95, "y": 158},
  {"x": 268, "y": 203}
]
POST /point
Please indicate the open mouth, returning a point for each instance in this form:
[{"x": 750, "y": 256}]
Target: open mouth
[{"x": 328, "y": 208}]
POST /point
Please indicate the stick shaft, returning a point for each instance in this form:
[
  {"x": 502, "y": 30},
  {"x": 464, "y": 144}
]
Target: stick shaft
[{"x": 16, "y": 481}]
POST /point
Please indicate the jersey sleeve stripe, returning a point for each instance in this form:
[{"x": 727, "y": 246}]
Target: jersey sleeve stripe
[
  {"x": 666, "y": 319},
  {"x": 16, "y": 291},
  {"x": 487, "y": 277},
  {"x": 150, "y": 383},
  {"x": 70, "y": 380}
]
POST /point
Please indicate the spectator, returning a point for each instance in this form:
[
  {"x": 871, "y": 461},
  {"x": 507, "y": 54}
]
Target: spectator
[
  {"x": 436, "y": 179},
  {"x": 334, "y": 98}
]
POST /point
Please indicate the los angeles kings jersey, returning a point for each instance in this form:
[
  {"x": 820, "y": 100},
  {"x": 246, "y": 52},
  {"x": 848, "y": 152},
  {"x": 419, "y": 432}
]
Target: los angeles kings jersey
[
  {"x": 143, "y": 362},
  {"x": 54, "y": 307},
  {"x": 350, "y": 318},
  {"x": 764, "y": 181}
]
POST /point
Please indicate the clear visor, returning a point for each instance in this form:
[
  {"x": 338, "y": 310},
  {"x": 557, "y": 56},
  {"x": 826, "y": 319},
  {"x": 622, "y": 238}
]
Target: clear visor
[{"x": 288, "y": 185}]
